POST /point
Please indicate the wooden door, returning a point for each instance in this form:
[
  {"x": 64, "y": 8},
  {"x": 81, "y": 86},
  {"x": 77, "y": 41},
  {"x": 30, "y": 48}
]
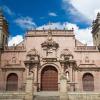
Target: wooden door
[
  {"x": 12, "y": 82},
  {"x": 49, "y": 79},
  {"x": 88, "y": 82}
]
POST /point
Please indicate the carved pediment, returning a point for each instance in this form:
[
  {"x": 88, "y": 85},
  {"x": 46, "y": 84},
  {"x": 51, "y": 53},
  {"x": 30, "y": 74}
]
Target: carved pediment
[
  {"x": 33, "y": 52},
  {"x": 50, "y": 43},
  {"x": 66, "y": 54},
  {"x": 12, "y": 62},
  {"x": 32, "y": 57}
]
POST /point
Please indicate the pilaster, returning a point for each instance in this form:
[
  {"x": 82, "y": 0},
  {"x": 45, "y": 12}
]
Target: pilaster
[
  {"x": 72, "y": 75},
  {"x": 35, "y": 78},
  {"x": 29, "y": 85}
]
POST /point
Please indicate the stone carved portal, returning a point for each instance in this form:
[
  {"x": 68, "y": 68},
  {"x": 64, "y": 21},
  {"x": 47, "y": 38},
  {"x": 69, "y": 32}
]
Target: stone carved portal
[{"x": 49, "y": 79}]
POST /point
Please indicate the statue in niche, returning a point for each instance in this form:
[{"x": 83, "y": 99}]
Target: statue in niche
[
  {"x": 67, "y": 75},
  {"x": 13, "y": 60},
  {"x": 87, "y": 59},
  {"x": 30, "y": 74},
  {"x": 49, "y": 52}
]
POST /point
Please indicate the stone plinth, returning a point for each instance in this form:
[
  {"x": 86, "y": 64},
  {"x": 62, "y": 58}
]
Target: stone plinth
[
  {"x": 63, "y": 88},
  {"x": 29, "y": 89}
]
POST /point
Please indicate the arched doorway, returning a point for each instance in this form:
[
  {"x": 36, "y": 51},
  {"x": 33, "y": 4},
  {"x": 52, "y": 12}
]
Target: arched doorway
[
  {"x": 88, "y": 82},
  {"x": 12, "y": 82},
  {"x": 49, "y": 79}
]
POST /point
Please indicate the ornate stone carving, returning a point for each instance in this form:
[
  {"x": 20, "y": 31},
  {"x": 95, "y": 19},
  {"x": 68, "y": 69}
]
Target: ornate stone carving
[
  {"x": 32, "y": 58},
  {"x": 13, "y": 59},
  {"x": 99, "y": 47},
  {"x": 50, "y": 43},
  {"x": 66, "y": 55},
  {"x": 33, "y": 55},
  {"x": 86, "y": 59},
  {"x": 32, "y": 52},
  {"x": 50, "y": 48}
]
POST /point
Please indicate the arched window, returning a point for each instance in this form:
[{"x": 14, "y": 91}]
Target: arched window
[
  {"x": 12, "y": 82},
  {"x": 88, "y": 82}
]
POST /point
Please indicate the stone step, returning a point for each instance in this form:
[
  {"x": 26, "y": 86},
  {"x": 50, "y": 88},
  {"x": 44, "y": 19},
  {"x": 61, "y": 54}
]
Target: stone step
[
  {"x": 11, "y": 99},
  {"x": 11, "y": 96},
  {"x": 46, "y": 98},
  {"x": 45, "y": 95}
]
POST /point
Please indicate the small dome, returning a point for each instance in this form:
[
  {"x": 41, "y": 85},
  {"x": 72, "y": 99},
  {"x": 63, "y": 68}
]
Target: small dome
[{"x": 32, "y": 52}]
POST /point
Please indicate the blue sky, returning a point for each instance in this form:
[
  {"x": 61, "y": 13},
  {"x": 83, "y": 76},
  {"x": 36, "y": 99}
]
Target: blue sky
[{"x": 30, "y": 14}]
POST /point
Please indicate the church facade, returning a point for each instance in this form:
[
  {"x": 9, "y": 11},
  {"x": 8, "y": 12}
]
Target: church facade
[{"x": 44, "y": 56}]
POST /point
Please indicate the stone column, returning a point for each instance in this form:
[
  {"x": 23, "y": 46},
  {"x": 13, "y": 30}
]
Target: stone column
[
  {"x": 62, "y": 63},
  {"x": 29, "y": 85},
  {"x": 71, "y": 73},
  {"x": 63, "y": 88},
  {"x": 71, "y": 77},
  {"x": 35, "y": 78}
]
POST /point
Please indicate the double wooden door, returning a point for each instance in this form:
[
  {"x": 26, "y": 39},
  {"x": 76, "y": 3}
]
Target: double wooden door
[{"x": 49, "y": 79}]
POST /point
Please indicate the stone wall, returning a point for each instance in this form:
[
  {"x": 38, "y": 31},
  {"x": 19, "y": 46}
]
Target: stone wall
[
  {"x": 72, "y": 96},
  {"x": 84, "y": 96},
  {"x": 12, "y": 96}
]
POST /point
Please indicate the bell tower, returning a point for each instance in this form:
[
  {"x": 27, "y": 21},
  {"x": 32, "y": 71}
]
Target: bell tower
[
  {"x": 96, "y": 30},
  {"x": 3, "y": 30}
]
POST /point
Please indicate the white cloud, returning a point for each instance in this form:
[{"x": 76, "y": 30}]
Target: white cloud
[
  {"x": 15, "y": 40},
  {"x": 83, "y": 35},
  {"x": 25, "y": 22},
  {"x": 51, "y": 26},
  {"x": 8, "y": 10},
  {"x": 52, "y": 14},
  {"x": 88, "y": 8}
]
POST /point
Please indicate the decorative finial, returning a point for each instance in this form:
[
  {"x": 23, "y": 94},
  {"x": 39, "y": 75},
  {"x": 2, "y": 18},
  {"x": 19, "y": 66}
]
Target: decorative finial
[
  {"x": 98, "y": 15},
  {"x": 72, "y": 29},
  {"x": 55, "y": 28},
  {"x": 65, "y": 26},
  {"x": 49, "y": 24},
  {"x": 1, "y": 11},
  {"x": 49, "y": 35}
]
